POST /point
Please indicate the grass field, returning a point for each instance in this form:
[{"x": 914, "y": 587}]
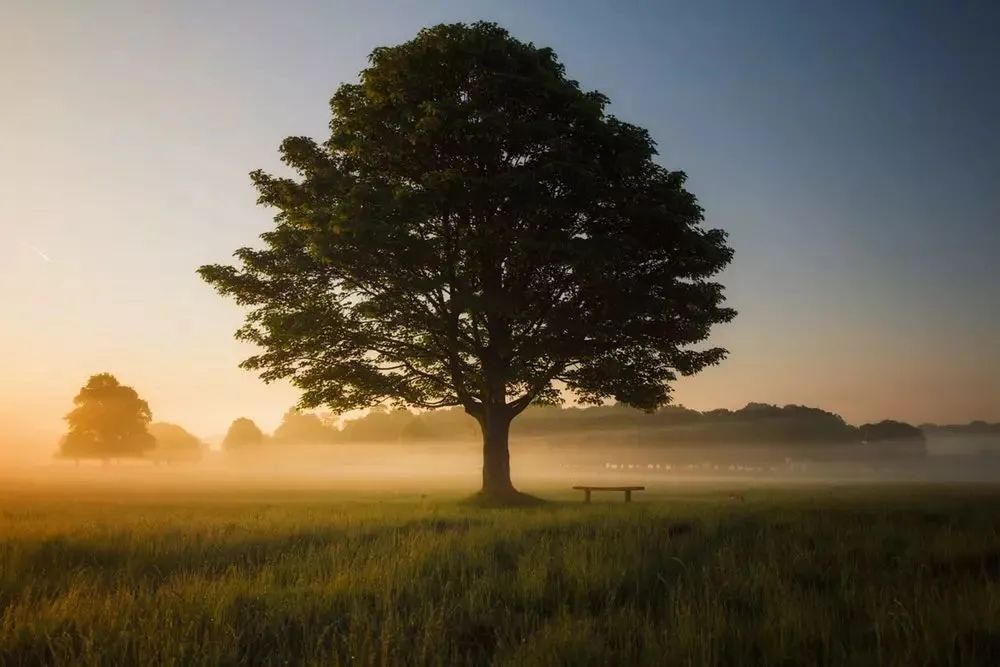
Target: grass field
[{"x": 825, "y": 575}]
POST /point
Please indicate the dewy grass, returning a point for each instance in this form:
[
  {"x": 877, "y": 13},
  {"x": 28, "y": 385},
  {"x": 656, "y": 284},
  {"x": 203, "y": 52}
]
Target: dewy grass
[{"x": 812, "y": 576}]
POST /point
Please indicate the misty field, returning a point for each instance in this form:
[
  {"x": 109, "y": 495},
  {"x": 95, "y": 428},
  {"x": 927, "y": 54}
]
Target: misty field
[{"x": 826, "y": 575}]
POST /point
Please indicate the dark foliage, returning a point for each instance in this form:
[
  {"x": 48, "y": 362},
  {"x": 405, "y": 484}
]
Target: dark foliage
[{"x": 890, "y": 430}]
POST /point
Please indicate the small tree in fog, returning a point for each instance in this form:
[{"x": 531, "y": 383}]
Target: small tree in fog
[
  {"x": 109, "y": 422},
  {"x": 174, "y": 443},
  {"x": 304, "y": 427},
  {"x": 477, "y": 231},
  {"x": 243, "y": 434}
]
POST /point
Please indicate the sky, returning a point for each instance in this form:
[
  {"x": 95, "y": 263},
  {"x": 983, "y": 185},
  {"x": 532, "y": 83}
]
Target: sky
[{"x": 850, "y": 149}]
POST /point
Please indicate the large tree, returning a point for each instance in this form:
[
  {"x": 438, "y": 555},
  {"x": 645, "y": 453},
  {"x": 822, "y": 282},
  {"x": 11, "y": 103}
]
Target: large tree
[
  {"x": 109, "y": 422},
  {"x": 477, "y": 231}
]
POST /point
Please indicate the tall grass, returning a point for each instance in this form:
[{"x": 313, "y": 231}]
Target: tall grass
[{"x": 905, "y": 577}]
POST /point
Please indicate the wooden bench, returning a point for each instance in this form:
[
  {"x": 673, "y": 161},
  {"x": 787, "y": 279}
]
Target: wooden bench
[{"x": 627, "y": 489}]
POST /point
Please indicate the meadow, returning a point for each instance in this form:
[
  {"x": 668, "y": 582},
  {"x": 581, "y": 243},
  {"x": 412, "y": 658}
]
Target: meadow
[{"x": 898, "y": 575}]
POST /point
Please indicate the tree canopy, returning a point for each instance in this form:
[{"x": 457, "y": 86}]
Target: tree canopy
[
  {"x": 303, "y": 427},
  {"x": 887, "y": 429},
  {"x": 109, "y": 422},
  {"x": 174, "y": 443},
  {"x": 243, "y": 433},
  {"x": 477, "y": 231}
]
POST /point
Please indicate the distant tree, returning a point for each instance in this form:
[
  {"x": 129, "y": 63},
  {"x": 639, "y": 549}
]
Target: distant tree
[
  {"x": 379, "y": 425},
  {"x": 890, "y": 439},
  {"x": 109, "y": 422},
  {"x": 174, "y": 444},
  {"x": 447, "y": 424},
  {"x": 477, "y": 231},
  {"x": 243, "y": 434},
  {"x": 304, "y": 427},
  {"x": 890, "y": 430},
  {"x": 418, "y": 429}
]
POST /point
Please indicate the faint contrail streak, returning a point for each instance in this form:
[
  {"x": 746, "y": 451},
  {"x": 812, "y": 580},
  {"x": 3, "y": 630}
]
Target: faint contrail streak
[{"x": 40, "y": 253}]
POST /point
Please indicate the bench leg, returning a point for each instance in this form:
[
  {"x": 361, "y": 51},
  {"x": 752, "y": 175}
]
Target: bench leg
[
  {"x": 628, "y": 496},
  {"x": 586, "y": 495}
]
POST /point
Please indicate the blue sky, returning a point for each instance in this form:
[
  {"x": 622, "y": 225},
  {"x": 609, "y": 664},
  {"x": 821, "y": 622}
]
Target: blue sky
[{"x": 850, "y": 149}]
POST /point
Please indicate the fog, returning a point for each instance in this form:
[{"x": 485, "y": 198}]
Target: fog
[{"x": 539, "y": 464}]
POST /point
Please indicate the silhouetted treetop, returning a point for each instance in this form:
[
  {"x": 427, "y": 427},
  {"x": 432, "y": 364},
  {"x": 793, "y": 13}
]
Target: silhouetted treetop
[
  {"x": 476, "y": 229},
  {"x": 888, "y": 429},
  {"x": 243, "y": 433}
]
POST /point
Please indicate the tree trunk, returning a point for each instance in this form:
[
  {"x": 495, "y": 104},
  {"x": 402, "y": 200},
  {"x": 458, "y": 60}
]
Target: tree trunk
[{"x": 496, "y": 455}]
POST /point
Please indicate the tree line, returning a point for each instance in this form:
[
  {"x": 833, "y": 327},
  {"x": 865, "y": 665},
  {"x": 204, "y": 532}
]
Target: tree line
[
  {"x": 754, "y": 423},
  {"x": 111, "y": 421}
]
